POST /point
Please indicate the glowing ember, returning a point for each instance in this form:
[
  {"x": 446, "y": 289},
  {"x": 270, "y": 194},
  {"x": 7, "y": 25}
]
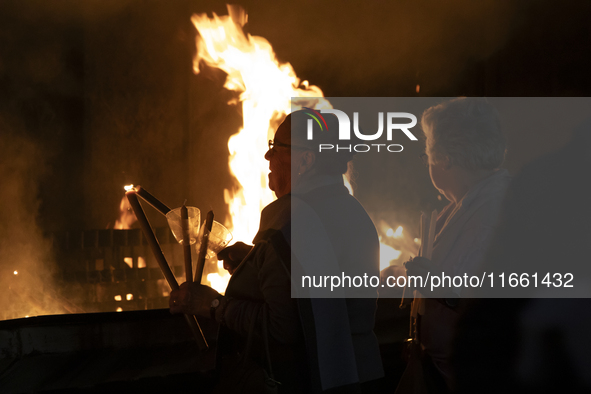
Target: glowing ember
[
  {"x": 129, "y": 297},
  {"x": 117, "y": 298},
  {"x": 265, "y": 88},
  {"x": 128, "y": 188},
  {"x": 119, "y": 309}
]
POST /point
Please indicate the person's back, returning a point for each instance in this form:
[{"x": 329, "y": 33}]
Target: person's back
[
  {"x": 538, "y": 344},
  {"x": 354, "y": 239}
]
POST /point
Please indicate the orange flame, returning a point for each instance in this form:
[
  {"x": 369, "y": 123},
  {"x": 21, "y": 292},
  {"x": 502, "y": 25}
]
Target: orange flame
[
  {"x": 126, "y": 215},
  {"x": 266, "y": 88},
  {"x": 395, "y": 245},
  {"x": 126, "y": 219}
]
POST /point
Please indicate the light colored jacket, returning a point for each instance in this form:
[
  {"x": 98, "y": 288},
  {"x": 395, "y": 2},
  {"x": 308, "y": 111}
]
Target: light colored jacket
[{"x": 463, "y": 235}]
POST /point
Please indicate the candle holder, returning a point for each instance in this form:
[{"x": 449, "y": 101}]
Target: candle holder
[
  {"x": 219, "y": 238},
  {"x": 174, "y": 221}
]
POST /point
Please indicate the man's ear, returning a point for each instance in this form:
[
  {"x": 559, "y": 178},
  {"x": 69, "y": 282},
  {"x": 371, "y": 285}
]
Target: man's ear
[{"x": 307, "y": 161}]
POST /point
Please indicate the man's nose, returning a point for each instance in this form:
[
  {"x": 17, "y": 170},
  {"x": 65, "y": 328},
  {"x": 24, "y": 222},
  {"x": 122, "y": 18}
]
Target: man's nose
[{"x": 269, "y": 154}]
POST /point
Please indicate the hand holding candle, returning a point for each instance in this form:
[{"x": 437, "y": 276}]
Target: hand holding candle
[
  {"x": 161, "y": 260},
  {"x": 193, "y": 299}
]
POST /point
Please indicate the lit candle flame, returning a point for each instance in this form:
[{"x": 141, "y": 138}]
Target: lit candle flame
[{"x": 15, "y": 272}]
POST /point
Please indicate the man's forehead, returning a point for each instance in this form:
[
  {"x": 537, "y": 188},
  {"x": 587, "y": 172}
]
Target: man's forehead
[
  {"x": 286, "y": 135},
  {"x": 283, "y": 133}
]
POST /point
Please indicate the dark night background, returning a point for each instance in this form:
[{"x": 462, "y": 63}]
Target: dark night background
[
  {"x": 97, "y": 94},
  {"x": 102, "y": 93}
]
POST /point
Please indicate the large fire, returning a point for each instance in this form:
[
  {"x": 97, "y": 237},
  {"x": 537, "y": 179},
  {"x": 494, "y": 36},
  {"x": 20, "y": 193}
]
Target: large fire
[{"x": 265, "y": 89}]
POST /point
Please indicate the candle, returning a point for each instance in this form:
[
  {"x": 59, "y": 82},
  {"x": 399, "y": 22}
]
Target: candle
[
  {"x": 203, "y": 249},
  {"x": 431, "y": 238},
  {"x": 161, "y": 260},
  {"x": 186, "y": 243},
  {"x": 149, "y": 198}
]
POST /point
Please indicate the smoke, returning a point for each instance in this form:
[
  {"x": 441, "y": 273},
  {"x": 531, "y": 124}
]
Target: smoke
[
  {"x": 26, "y": 263},
  {"x": 385, "y": 48}
]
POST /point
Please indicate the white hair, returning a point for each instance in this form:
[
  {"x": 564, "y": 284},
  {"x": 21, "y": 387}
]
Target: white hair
[{"x": 465, "y": 131}]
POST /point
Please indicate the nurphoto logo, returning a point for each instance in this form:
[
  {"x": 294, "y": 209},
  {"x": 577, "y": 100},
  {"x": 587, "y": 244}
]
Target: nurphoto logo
[{"x": 392, "y": 125}]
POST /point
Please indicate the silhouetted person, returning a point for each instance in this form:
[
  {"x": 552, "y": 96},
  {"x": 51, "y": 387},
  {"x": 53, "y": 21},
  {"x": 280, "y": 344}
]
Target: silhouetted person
[
  {"x": 315, "y": 344},
  {"x": 537, "y": 345},
  {"x": 464, "y": 150}
]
